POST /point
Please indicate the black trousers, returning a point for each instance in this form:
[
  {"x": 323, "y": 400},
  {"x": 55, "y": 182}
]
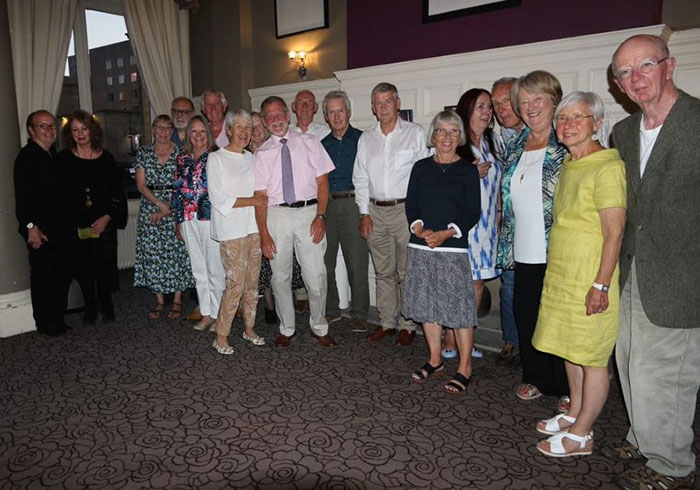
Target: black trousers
[
  {"x": 543, "y": 370},
  {"x": 50, "y": 279},
  {"x": 96, "y": 261}
]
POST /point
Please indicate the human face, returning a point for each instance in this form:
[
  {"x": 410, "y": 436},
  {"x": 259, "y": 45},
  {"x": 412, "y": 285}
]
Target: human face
[
  {"x": 43, "y": 130},
  {"x": 446, "y": 139},
  {"x": 481, "y": 117},
  {"x": 575, "y": 125},
  {"x": 338, "y": 116},
  {"x": 537, "y": 110},
  {"x": 81, "y": 134},
  {"x": 258, "y": 135},
  {"x": 502, "y": 107},
  {"x": 198, "y": 137},
  {"x": 643, "y": 88},
  {"x": 304, "y": 106},
  {"x": 386, "y": 107},
  {"x": 162, "y": 131},
  {"x": 276, "y": 119},
  {"x": 213, "y": 109},
  {"x": 240, "y": 133},
  {"x": 181, "y": 112}
]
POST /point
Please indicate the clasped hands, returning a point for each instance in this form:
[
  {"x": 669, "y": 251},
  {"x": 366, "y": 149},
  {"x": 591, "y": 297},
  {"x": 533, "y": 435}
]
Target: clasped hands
[{"x": 432, "y": 238}]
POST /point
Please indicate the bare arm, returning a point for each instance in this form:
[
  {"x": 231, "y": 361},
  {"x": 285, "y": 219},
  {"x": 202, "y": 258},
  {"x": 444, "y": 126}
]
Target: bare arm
[
  {"x": 266, "y": 242},
  {"x": 318, "y": 225},
  {"x": 612, "y": 221}
]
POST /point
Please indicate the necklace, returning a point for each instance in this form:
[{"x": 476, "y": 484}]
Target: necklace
[
  {"x": 526, "y": 167},
  {"x": 444, "y": 167}
]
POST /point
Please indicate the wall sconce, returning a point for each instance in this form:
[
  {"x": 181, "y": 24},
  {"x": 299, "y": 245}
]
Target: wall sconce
[{"x": 299, "y": 57}]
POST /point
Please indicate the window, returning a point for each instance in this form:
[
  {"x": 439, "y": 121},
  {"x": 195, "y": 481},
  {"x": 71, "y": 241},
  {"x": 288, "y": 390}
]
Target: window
[
  {"x": 120, "y": 62},
  {"x": 122, "y": 95},
  {"x": 108, "y": 65},
  {"x": 121, "y": 79},
  {"x": 110, "y": 97},
  {"x": 135, "y": 93},
  {"x": 109, "y": 81},
  {"x": 134, "y": 76},
  {"x": 132, "y": 60}
]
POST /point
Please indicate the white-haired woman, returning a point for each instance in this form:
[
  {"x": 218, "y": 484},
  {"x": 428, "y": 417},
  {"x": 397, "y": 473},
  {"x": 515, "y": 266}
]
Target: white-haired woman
[
  {"x": 443, "y": 203},
  {"x": 579, "y": 309},
  {"x": 231, "y": 188}
]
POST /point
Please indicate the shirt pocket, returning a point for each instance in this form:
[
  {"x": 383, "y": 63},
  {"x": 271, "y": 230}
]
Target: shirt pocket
[{"x": 403, "y": 158}]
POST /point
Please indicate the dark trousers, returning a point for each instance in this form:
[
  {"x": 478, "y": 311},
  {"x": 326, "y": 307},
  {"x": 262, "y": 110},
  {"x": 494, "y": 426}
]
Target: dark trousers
[
  {"x": 545, "y": 371},
  {"x": 50, "y": 278},
  {"x": 97, "y": 271}
]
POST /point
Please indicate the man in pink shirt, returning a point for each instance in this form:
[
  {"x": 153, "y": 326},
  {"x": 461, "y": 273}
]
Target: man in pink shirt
[{"x": 292, "y": 170}]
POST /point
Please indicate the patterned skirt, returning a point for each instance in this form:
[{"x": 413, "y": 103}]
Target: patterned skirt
[{"x": 439, "y": 289}]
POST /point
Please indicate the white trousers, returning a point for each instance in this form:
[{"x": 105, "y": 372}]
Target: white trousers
[
  {"x": 207, "y": 269},
  {"x": 290, "y": 228}
]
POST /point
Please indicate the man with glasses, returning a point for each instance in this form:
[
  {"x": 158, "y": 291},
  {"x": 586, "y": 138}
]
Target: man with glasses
[
  {"x": 42, "y": 213},
  {"x": 181, "y": 111},
  {"x": 304, "y": 107},
  {"x": 658, "y": 344},
  {"x": 385, "y": 157},
  {"x": 214, "y": 106}
]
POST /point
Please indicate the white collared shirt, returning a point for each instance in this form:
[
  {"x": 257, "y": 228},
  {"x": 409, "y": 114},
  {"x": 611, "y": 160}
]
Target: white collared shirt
[
  {"x": 315, "y": 129},
  {"x": 383, "y": 163}
]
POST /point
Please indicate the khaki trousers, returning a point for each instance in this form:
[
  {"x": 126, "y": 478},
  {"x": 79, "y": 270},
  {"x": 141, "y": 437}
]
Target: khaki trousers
[{"x": 241, "y": 260}]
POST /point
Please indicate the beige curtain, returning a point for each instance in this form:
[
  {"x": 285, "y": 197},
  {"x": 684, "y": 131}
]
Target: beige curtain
[
  {"x": 159, "y": 34},
  {"x": 40, "y": 34}
]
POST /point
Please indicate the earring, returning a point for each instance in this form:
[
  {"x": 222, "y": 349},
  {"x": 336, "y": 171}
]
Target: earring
[{"x": 594, "y": 137}]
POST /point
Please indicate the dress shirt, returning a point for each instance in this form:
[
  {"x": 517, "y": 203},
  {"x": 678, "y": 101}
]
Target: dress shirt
[
  {"x": 383, "y": 163},
  {"x": 315, "y": 129},
  {"x": 309, "y": 161},
  {"x": 231, "y": 176},
  {"x": 342, "y": 152}
]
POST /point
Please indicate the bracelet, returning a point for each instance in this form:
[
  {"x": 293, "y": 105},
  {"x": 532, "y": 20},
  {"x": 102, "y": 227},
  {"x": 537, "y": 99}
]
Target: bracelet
[{"x": 601, "y": 287}]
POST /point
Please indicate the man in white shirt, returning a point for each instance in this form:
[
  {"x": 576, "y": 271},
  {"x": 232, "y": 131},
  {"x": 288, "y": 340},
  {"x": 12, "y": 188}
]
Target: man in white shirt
[
  {"x": 304, "y": 107},
  {"x": 385, "y": 157},
  {"x": 214, "y": 106}
]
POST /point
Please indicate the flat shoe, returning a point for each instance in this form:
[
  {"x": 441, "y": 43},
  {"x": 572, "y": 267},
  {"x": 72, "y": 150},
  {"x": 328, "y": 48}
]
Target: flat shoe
[
  {"x": 458, "y": 384},
  {"x": 563, "y": 404},
  {"x": 551, "y": 426},
  {"x": 227, "y": 351},
  {"x": 449, "y": 353},
  {"x": 204, "y": 325},
  {"x": 556, "y": 446},
  {"x": 427, "y": 370},
  {"x": 527, "y": 391},
  {"x": 253, "y": 340}
]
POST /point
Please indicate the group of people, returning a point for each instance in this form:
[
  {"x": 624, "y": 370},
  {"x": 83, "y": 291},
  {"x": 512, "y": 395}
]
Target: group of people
[{"x": 591, "y": 247}]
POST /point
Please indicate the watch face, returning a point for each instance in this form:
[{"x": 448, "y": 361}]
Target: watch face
[{"x": 30, "y": 226}]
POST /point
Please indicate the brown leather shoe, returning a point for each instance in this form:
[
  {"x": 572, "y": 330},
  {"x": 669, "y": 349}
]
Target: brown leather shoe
[
  {"x": 405, "y": 338},
  {"x": 195, "y": 316},
  {"x": 325, "y": 340},
  {"x": 379, "y": 333},
  {"x": 283, "y": 341},
  {"x": 357, "y": 325}
]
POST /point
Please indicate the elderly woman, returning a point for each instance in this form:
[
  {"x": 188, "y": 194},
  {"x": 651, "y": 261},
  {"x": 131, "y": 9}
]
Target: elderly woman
[
  {"x": 98, "y": 208},
  {"x": 162, "y": 264},
  {"x": 442, "y": 205},
  {"x": 531, "y": 171},
  {"x": 231, "y": 187},
  {"x": 193, "y": 214},
  {"x": 580, "y": 302}
]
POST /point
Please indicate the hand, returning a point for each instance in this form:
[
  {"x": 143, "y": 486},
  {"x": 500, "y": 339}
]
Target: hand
[
  {"x": 435, "y": 239},
  {"x": 483, "y": 168},
  {"x": 178, "y": 233},
  {"x": 100, "y": 224},
  {"x": 596, "y": 301},
  {"x": 267, "y": 244},
  {"x": 318, "y": 229},
  {"x": 366, "y": 226},
  {"x": 163, "y": 208},
  {"x": 260, "y": 200},
  {"x": 35, "y": 238},
  {"x": 421, "y": 232}
]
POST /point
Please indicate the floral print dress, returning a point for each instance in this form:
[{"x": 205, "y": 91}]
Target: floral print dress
[{"x": 162, "y": 264}]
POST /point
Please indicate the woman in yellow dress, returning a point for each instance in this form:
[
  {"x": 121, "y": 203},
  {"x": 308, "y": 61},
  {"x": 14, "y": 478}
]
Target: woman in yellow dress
[{"x": 579, "y": 309}]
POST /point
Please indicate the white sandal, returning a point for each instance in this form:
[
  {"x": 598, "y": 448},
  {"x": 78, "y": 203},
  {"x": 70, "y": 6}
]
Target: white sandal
[
  {"x": 253, "y": 340},
  {"x": 227, "y": 351},
  {"x": 556, "y": 447},
  {"x": 551, "y": 426}
]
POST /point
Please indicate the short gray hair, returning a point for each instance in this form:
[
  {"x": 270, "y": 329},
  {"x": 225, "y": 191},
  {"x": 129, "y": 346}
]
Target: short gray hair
[
  {"x": 593, "y": 101},
  {"x": 446, "y": 117},
  {"x": 209, "y": 91},
  {"x": 231, "y": 116},
  {"x": 503, "y": 81},
  {"x": 383, "y": 87},
  {"x": 271, "y": 100},
  {"x": 336, "y": 94}
]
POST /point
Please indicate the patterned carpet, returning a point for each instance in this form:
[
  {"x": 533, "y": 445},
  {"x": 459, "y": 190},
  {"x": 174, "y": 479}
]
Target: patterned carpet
[{"x": 149, "y": 404}]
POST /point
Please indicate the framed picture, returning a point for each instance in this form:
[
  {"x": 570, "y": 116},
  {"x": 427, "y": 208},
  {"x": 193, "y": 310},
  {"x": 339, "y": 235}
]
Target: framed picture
[
  {"x": 297, "y": 16},
  {"x": 436, "y": 10},
  {"x": 406, "y": 114}
]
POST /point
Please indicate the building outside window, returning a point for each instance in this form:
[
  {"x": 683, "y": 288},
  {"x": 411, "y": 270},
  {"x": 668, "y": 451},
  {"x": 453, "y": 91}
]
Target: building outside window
[
  {"x": 121, "y": 79},
  {"x": 108, "y": 64},
  {"x": 134, "y": 77},
  {"x": 120, "y": 62},
  {"x": 109, "y": 81},
  {"x": 132, "y": 60}
]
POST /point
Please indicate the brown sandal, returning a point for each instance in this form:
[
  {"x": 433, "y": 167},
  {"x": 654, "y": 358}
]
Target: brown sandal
[
  {"x": 175, "y": 310},
  {"x": 623, "y": 451},
  {"x": 156, "y": 312},
  {"x": 646, "y": 478}
]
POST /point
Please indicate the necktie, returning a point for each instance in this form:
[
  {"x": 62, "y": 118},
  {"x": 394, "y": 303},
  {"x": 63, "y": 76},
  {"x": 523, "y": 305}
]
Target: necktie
[{"x": 287, "y": 174}]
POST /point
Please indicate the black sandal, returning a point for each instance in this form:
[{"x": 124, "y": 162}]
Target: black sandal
[
  {"x": 427, "y": 370},
  {"x": 156, "y": 311},
  {"x": 459, "y": 384},
  {"x": 175, "y": 311}
]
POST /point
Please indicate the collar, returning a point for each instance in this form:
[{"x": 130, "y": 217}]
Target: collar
[
  {"x": 277, "y": 139},
  {"x": 398, "y": 127}
]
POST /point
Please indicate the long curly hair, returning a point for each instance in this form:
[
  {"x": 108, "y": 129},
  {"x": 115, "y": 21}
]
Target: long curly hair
[{"x": 90, "y": 122}]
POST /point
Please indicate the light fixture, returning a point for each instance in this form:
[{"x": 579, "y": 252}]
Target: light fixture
[{"x": 299, "y": 57}]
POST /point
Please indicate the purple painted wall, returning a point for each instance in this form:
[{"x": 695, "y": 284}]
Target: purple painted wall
[{"x": 387, "y": 31}]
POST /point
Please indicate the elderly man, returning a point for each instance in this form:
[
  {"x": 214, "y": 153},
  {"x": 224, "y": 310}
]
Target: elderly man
[
  {"x": 304, "y": 107},
  {"x": 181, "y": 110},
  {"x": 214, "y": 107},
  {"x": 658, "y": 345},
  {"x": 385, "y": 157},
  {"x": 510, "y": 125},
  {"x": 41, "y": 209},
  {"x": 342, "y": 227},
  {"x": 292, "y": 170}
]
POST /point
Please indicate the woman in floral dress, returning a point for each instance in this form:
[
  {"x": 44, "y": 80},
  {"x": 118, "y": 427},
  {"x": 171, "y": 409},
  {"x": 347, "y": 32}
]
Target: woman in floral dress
[{"x": 162, "y": 264}]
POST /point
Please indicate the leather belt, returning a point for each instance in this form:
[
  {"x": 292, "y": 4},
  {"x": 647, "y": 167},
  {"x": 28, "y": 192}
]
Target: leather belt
[
  {"x": 342, "y": 195},
  {"x": 387, "y": 203},
  {"x": 299, "y": 204}
]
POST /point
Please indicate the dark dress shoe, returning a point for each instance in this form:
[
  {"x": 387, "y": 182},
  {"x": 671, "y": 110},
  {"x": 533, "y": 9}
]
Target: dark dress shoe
[
  {"x": 108, "y": 318},
  {"x": 325, "y": 340},
  {"x": 405, "y": 338},
  {"x": 89, "y": 319},
  {"x": 379, "y": 333},
  {"x": 357, "y": 325},
  {"x": 283, "y": 341},
  {"x": 52, "y": 331},
  {"x": 270, "y": 316}
]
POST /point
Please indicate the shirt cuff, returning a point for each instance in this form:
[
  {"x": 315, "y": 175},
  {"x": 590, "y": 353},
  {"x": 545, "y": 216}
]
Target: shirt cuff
[
  {"x": 414, "y": 224},
  {"x": 456, "y": 229},
  {"x": 364, "y": 208}
]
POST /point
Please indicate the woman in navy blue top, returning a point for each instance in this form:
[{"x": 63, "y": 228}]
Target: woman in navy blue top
[{"x": 442, "y": 205}]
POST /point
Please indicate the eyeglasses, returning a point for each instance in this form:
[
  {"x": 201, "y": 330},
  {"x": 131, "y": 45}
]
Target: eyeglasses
[
  {"x": 447, "y": 132},
  {"x": 163, "y": 128},
  {"x": 576, "y": 118},
  {"x": 275, "y": 116},
  {"x": 180, "y": 112},
  {"x": 44, "y": 126},
  {"x": 646, "y": 66}
]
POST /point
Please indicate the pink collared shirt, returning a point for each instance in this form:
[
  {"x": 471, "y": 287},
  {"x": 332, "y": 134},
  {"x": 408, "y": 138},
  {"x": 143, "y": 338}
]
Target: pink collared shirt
[{"x": 309, "y": 161}]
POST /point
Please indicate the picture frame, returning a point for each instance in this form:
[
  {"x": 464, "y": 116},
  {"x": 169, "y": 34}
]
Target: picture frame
[
  {"x": 438, "y": 10},
  {"x": 293, "y": 17}
]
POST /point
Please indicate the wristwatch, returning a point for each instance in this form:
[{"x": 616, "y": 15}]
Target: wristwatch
[
  {"x": 601, "y": 287},
  {"x": 322, "y": 216},
  {"x": 30, "y": 225}
]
